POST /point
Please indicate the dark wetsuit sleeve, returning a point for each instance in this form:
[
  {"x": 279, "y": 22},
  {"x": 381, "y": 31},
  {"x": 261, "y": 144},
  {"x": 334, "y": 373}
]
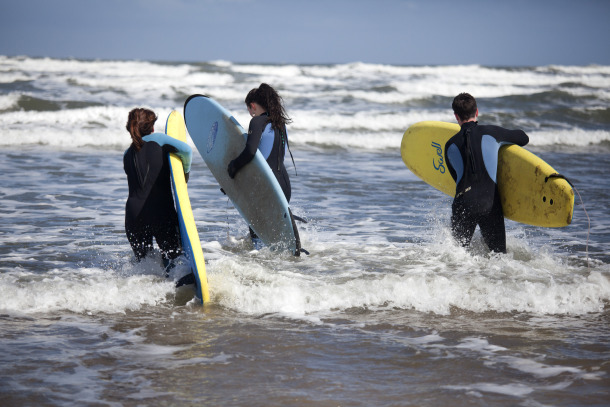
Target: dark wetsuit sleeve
[
  {"x": 255, "y": 132},
  {"x": 517, "y": 137}
]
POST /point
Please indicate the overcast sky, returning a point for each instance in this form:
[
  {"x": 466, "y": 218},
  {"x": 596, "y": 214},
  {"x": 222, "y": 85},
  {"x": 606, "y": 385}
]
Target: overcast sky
[{"x": 405, "y": 32}]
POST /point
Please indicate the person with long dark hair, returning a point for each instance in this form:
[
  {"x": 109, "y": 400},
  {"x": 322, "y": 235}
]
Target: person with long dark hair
[
  {"x": 267, "y": 133},
  {"x": 150, "y": 211}
]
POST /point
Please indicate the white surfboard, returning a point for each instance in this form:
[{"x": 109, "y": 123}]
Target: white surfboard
[{"x": 254, "y": 191}]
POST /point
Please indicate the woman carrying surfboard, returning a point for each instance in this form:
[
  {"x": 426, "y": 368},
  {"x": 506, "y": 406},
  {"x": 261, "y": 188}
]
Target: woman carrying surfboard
[
  {"x": 150, "y": 211},
  {"x": 267, "y": 133},
  {"x": 472, "y": 161}
]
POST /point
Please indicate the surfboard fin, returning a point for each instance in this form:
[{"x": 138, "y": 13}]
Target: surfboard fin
[
  {"x": 186, "y": 280},
  {"x": 299, "y": 218}
]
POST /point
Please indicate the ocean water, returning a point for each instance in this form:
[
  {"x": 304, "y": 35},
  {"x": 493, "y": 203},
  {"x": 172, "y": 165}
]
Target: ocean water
[{"x": 385, "y": 311}]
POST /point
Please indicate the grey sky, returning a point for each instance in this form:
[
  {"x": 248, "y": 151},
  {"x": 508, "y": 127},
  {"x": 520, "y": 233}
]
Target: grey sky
[{"x": 411, "y": 32}]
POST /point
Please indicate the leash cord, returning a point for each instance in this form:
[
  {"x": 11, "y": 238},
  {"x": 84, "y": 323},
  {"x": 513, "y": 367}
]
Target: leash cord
[
  {"x": 588, "y": 227},
  {"x": 556, "y": 175},
  {"x": 227, "y": 218}
]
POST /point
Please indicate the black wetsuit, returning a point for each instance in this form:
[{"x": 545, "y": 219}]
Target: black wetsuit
[
  {"x": 276, "y": 155},
  {"x": 259, "y": 127},
  {"x": 472, "y": 160},
  {"x": 150, "y": 211}
]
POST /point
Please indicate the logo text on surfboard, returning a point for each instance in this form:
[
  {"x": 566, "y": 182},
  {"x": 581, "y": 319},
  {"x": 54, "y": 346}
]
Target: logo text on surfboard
[
  {"x": 212, "y": 136},
  {"x": 440, "y": 160}
]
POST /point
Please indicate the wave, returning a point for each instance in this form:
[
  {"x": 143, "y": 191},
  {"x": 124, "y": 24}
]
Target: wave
[
  {"x": 436, "y": 279},
  {"x": 103, "y": 126},
  {"x": 68, "y": 102}
]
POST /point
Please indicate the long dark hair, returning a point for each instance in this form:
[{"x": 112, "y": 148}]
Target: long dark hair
[
  {"x": 267, "y": 98},
  {"x": 140, "y": 123}
]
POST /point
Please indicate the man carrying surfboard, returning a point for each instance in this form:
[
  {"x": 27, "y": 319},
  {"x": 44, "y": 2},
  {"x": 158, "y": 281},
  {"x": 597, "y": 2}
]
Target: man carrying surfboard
[{"x": 472, "y": 161}]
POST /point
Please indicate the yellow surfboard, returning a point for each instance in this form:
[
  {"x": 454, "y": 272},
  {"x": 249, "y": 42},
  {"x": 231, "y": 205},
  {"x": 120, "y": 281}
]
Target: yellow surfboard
[
  {"x": 530, "y": 193},
  {"x": 191, "y": 245}
]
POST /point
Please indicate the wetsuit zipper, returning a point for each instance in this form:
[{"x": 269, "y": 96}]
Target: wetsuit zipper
[{"x": 135, "y": 163}]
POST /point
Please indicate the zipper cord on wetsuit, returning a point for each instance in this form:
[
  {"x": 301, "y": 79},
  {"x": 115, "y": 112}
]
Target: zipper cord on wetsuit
[
  {"x": 557, "y": 175},
  {"x": 280, "y": 150},
  {"x": 469, "y": 152},
  {"x": 470, "y": 161},
  {"x": 136, "y": 164}
]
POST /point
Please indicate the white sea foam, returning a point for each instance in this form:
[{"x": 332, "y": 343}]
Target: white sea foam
[
  {"x": 92, "y": 126},
  {"x": 573, "y": 137},
  {"x": 258, "y": 284},
  {"x": 500, "y": 355},
  {"x": 513, "y": 389},
  {"x": 496, "y": 355},
  {"x": 450, "y": 278},
  {"x": 8, "y": 101},
  {"x": 104, "y": 126},
  {"x": 357, "y": 105},
  {"x": 81, "y": 291},
  {"x": 354, "y": 105}
]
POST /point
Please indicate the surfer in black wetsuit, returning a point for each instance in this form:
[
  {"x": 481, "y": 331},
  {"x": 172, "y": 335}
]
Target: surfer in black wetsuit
[
  {"x": 150, "y": 211},
  {"x": 472, "y": 158},
  {"x": 267, "y": 133}
]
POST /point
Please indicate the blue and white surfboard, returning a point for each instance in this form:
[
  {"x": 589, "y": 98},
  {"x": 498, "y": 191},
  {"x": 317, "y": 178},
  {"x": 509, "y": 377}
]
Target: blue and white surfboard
[{"x": 254, "y": 191}]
